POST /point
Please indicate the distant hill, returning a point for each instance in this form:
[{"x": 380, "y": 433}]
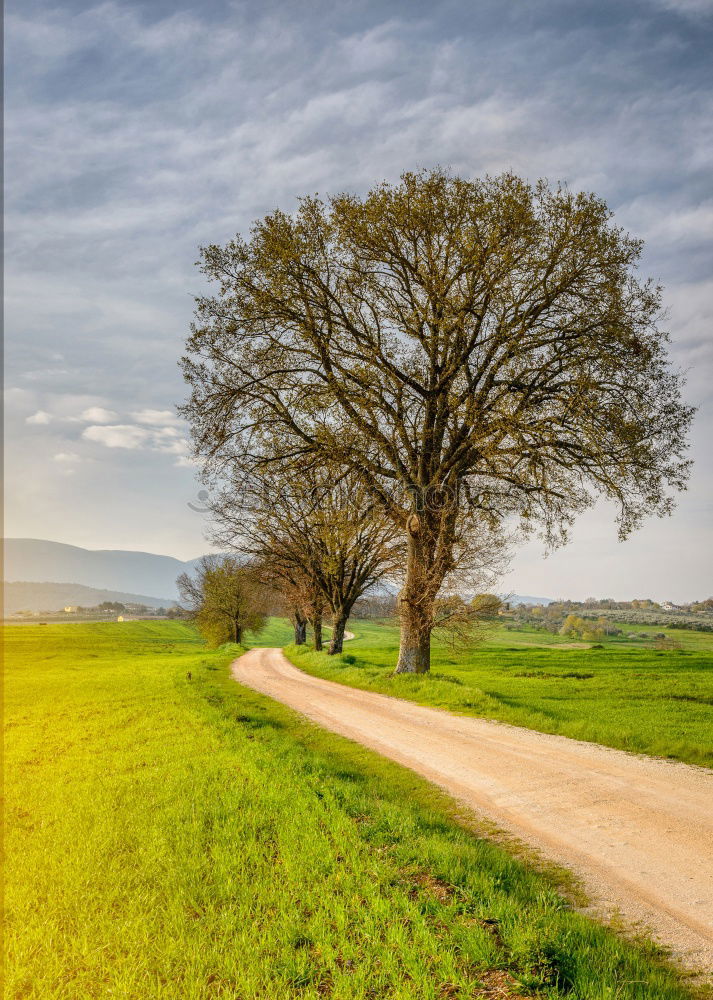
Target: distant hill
[
  {"x": 25, "y": 596},
  {"x": 39, "y": 561},
  {"x": 520, "y": 599},
  {"x": 123, "y": 572}
]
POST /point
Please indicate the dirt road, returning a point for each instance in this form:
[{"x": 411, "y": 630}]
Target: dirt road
[{"x": 639, "y": 831}]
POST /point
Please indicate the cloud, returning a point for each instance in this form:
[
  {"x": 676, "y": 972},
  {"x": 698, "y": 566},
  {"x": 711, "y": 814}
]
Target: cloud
[
  {"x": 39, "y": 418},
  {"x": 693, "y": 8},
  {"x": 98, "y": 415},
  {"x": 135, "y": 437},
  {"x": 117, "y": 436},
  {"x": 68, "y": 457},
  {"x": 135, "y": 135},
  {"x": 64, "y": 409},
  {"x": 176, "y": 447},
  {"x": 158, "y": 418}
]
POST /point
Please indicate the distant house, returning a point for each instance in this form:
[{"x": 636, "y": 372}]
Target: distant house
[
  {"x": 71, "y": 609},
  {"x": 668, "y": 606},
  {"x": 120, "y": 618}
]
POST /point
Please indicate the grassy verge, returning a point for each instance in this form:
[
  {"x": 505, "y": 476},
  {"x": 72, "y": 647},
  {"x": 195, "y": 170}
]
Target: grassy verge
[
  {"x": 187, "y": 838},
  {"x": 622, "y": 695}
]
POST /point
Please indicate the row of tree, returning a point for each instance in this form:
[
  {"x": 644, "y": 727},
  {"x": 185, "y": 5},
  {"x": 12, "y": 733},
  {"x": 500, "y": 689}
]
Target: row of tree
[
  {"x": 318, "y": 539},
  {"x": 553, "y": 616},
  {"x": 312, "y": 548},
  {"x": 385, "y": 387},
  {"x": 640, "y": 604}
]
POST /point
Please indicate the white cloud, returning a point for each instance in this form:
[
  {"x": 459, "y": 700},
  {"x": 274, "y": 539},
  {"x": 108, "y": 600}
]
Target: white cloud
[
  {"x": 157, "y": 418},
  {"x": 98, "y": 415},
  {"x": 68, "y": 457},
  {"x": 117, "y": 436},
  {"x": 42, "y": 417},
  {"x": 165, "y": 438},
  {"x": 178, "y": 446},
  {"x": 133, "y": 437},
  {"x": 63, "y": 406}
]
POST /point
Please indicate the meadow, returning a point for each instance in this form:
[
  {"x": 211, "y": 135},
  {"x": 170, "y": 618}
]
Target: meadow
[
  {"x": 171, "y": 834},
  {"x": 620, "y": 692}
]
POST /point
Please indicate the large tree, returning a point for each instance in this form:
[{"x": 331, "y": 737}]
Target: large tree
[{"x": 472, "y": 350}]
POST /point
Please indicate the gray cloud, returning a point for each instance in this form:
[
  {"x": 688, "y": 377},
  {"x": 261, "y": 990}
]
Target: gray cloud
[{"x": 136, "y": 132}]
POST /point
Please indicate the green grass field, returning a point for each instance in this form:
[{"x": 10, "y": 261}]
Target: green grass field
[
  {"x": 176, "y": 838},
  {"x": 625, "y": 695}
]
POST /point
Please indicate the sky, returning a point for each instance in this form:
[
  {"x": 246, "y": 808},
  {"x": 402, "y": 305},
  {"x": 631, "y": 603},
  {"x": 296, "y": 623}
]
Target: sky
[{"x": 137, "y": 132}]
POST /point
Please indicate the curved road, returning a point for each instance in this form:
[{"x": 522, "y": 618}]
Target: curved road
[{"x": 637, "y": 830}]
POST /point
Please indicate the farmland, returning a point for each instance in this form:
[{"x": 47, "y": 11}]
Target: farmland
[
  {"x": 620, "y": 692},
  {"x": 176, "y": 836}
]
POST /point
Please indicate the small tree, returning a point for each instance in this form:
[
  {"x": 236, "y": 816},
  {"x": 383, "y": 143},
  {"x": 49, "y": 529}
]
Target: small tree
[
  {"x": 573, "y": 625},
  {"x": 487, "y": 605},
  {"x": 580, "y": 629},
  {"x": 225, "y": 599}
]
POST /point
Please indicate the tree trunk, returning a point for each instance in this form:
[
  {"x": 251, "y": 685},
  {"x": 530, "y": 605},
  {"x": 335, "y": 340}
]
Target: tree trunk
[
  {"x": 415, "y": 640},
  {"x": 317, "y": 629},
  {"x": 416, "y": 600},
  {"x": 300, "y": 624},
  {"x": 337, "y": 643},
  {"x": 237, "y": 632}
]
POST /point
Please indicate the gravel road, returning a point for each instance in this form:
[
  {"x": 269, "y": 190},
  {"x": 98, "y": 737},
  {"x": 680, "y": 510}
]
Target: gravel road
[{"x": 637, "y": 830}]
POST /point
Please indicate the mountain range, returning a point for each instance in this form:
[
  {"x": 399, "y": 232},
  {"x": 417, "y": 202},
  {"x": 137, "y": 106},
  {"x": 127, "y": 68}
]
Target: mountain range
[
  {"x": 119, "y": 574},
  {"x": 39, "y": 561},
  {"x": 51, "y": 597},
  {"x": 41, "y": 575}
]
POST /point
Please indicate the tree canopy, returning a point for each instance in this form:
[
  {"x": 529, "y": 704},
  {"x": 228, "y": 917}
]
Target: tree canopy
[{"x": 226, "y": 599}]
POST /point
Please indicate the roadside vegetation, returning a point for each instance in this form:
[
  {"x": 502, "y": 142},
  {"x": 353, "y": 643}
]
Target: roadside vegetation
[
  {"x": 621, "y": 691},
  {"x": 174, "y": 837}
]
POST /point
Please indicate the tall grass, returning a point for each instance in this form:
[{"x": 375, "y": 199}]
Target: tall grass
[{"x": 186, "y": 838}]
